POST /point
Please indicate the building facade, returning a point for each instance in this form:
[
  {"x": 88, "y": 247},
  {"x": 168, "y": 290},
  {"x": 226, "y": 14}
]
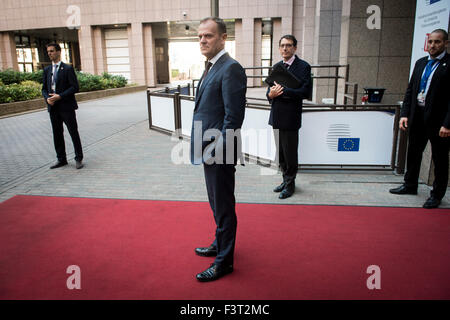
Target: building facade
[{"x": 138, "y": 38}]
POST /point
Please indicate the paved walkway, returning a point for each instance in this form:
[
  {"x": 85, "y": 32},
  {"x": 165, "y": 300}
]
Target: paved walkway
[{"x": 126, "y": 160}]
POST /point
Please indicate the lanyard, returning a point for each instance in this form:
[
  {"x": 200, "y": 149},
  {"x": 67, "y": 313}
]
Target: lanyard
[{"x": 428, "y": 71}]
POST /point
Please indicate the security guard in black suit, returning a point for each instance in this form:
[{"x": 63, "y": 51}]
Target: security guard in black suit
[
  {"x": 426, "y": 112},
  {"x": 59, "y": 87}
]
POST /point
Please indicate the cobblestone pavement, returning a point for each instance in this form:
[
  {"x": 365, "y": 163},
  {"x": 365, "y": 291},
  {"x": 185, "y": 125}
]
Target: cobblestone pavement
[
  {"x": 126, "y": 160},
  {"x": 26, "y": 142}
]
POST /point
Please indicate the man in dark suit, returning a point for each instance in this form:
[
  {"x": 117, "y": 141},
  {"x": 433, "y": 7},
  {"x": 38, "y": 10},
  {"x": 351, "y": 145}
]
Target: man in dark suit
[
  {"x": 286, "y": 113},
  {"x": 59, "y": 87},
  {"x": 426, "y": 112},
  {"x": 218, "y": 113}
]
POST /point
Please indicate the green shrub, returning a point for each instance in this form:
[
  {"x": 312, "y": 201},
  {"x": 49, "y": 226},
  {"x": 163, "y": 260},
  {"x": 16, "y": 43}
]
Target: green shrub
[
  {"x": 33, "y": 84},
  {"x": 20, "y": 86},
  {"x": 10, "y": 76},
  {"x": 17, "y": 92},
  {"x": 35, "y": 76},
  {"x": 90, "y": 82}
]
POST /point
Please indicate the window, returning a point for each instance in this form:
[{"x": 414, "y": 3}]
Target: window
[
  {"x": 65, "y": 52},
  {"x": 24, "y": 53}
]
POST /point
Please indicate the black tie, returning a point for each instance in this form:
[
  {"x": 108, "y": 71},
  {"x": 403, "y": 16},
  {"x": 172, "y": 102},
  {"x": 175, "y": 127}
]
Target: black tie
[
  {"x": 208, "y": 66},
  {"x": 286, "y": 65}
]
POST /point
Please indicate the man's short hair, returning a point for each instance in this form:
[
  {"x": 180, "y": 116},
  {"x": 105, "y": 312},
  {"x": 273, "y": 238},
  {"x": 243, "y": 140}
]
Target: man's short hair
[
  {"x": 221, "y": 26},
  {"x": 288, "y": 37},
  {"x": 443, "y": 32},
  {"x": 55, "y": 45}
]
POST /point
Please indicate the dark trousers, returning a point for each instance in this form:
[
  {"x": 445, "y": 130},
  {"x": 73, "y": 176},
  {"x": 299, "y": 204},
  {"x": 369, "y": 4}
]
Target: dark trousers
[
  {"x": 220, "y": 187},
  {"x": 418, "y": 138},
  {"x": 57, "y": 118},
  {"x": 287, "y": 152}
]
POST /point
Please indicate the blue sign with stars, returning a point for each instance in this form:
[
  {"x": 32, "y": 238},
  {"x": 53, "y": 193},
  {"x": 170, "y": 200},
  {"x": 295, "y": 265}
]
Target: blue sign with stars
[{"x": 348, "y": 144}]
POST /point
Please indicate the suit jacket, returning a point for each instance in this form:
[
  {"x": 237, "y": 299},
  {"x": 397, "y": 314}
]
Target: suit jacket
[
  {"x": 437, "y": 102},
  {"x": 66, "y": 87},
  {"x": 286, "y": 110},
  {"x": 219, "y": 105}
]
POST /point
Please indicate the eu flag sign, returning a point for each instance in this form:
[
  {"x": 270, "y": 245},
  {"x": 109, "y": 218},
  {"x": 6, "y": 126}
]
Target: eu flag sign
[{"x": 348, "y": 144}]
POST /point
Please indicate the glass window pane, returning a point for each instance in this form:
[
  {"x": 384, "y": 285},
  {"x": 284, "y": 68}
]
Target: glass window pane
[
  {"x": 36, "y": 54},
  {"x": 27, "y": 55},
  {"x": 230, "y": 47},
  {"x": 28, "y": 67},
  {"x": 19, "y": 53},
  {"x": 21, "y": 67}
]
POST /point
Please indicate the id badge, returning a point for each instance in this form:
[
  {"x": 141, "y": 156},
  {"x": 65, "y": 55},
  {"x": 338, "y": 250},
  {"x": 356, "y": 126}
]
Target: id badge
[{"x": 421, "y": 98}]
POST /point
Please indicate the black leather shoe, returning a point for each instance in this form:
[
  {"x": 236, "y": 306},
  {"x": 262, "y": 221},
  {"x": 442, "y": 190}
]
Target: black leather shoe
[
  {"x": 286, "y": 193},
  {"x": 432, "y": 203},
  {"x": 78, "y": 165},
  {"x": 210, "y": 251},
  {"x": 280, "y": 187},
  {"x": 403, "y": 190},
  {"x": 58, "y": 164},
  {"x": 214, "y": 272}
]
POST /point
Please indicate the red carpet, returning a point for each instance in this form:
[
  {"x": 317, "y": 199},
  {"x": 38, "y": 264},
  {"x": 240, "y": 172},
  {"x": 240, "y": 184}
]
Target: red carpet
[{"x": 130, "y": 249}]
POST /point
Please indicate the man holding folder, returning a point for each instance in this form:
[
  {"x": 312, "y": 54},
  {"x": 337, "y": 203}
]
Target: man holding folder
[{"x": 286, "y": 111}]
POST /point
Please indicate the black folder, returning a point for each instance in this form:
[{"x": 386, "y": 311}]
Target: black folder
[{"x": 282, "y": 76}]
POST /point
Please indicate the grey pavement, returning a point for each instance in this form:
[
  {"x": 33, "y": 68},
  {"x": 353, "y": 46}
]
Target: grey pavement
[
  {"x": 126, "y": 160},
  {"x": 26, "y": 140}
]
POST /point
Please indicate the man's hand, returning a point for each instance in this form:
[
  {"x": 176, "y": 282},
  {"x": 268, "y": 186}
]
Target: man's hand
[
  {"x": 403, "y": 123},
  {"x": 275, "y": 91},
  {"x": 53, "y": 98},
  {"x": 444, "y": 132}
]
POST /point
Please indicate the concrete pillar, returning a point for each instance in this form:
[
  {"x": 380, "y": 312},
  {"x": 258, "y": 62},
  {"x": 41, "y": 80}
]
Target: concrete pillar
[
  {"x": 276, "y": 34},
  {"x": 257, "y": 40},
  {"x": 328, "y": 26},
  {"x": 87, "y": 52},
  {"x": 309, "y": 31},
  {"x": 136, "y": 47},
  {"x": 100, "y": 50},
  {"x": 286, "y": 20},
  {"x": 239, "y": 40},
  {"x": 297, "y": 25},
  {"x": 245, "y": 48},
  {"x": 8, "y": 56},
  {"x": 149, "y": 55}
]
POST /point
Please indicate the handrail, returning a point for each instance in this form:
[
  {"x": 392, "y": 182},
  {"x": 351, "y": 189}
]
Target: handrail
[
  {"x": 399, "y": 144},
  {"x": 336, "y": 77}
]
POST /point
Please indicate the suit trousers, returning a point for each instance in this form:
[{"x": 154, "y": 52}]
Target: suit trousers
[
  {"x": 287, "y": 152},
  {"x": 58, "y": 117},
  {"x": 220, "y": 179},
  {"x": 418, "y": 138}
]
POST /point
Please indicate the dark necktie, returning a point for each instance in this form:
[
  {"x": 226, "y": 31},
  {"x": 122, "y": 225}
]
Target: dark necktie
[
  {"x": 208, "y": 66},
  {"x": 286, "y": 65}
]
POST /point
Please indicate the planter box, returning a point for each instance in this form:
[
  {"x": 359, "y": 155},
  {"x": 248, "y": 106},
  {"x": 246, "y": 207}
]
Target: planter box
[{"x": 36, "y": 104}]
